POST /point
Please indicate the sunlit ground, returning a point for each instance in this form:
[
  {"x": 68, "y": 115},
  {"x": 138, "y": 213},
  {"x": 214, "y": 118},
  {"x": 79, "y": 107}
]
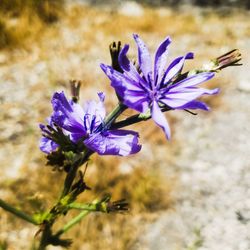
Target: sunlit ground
[{"x": 41, "y": 58}]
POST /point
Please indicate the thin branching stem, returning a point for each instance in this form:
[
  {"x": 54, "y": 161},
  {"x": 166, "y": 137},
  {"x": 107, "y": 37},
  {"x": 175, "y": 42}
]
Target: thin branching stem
[
  {"x": 20, "y": 214},
  {"x": 75, "y": 220},
  {"x": 72, "y": 173},
  {"x": 134, "y": 119}
]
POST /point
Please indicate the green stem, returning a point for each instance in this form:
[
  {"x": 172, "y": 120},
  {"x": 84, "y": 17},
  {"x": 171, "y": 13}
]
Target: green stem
[
  {"x": 119, "y": 109},
  {"x": 134, "y": 119},
  {"x": 75, "y": 220},
  {"x": 92, "y": 207},
  {"x": 72, "y": 173},
  {"x": 17, "y": 212},
  {"x": 69, "y": 180}
]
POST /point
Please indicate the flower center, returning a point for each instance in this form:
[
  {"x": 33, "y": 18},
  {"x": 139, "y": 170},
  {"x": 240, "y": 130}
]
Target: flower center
[{"x": 153, "y": 94}]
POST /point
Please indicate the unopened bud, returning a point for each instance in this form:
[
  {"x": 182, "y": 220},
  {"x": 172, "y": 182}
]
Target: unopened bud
[
  {"x": 231, "y": 58},
  {"x": 117, "y": 206},
  {"x": 107, "y": 206},
  {"x": 115, "y": 49},
  {"x": 75, "y": 89}
]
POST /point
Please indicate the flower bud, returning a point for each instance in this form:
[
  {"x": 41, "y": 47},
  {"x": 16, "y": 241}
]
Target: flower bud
[
  {"x": 75, "y": 89},
  {"x": 231, "y": 58},
  {"x": 115, "y": 49}
]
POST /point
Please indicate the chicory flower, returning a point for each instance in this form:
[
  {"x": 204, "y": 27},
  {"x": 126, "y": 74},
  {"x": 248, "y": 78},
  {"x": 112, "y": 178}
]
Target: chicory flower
[
  {"x": 152, "y": 89},
  {"x": 87, "y": 125}
]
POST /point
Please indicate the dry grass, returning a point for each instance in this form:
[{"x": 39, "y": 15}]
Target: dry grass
[
  {"x": 5, "y": 35},
  {"x": 46, "y": 10},
  {"x": 22, "y": 22}
]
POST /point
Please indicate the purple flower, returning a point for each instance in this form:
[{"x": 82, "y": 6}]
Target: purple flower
[
  {"x": 87, "y": 124},
  {"x": 46, "y": 144},
  {"x": 157, "y": 88}
]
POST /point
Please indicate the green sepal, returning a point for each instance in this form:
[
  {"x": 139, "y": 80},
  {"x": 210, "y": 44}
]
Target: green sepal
[
  {"x": 145, "y": 115},
  {"x": 41, "y": 217}
]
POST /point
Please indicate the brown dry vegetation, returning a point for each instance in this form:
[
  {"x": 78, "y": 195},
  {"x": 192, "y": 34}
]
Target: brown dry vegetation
[
  {"x": 23, "y": 21},
  {"x": 73, "y": 47}
]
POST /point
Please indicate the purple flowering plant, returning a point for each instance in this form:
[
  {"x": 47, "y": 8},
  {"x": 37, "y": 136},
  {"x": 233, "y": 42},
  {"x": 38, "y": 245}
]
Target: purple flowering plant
[
  {"x": 155, "y": 88},
  {"x": 74, "y": 131}
]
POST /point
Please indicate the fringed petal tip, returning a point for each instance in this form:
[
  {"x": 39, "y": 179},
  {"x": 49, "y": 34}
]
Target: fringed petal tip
[
  {"x": 101, "y": 96},
  {"x": 124, "y": 50},
  {"x": 105, "y": 67},
  {"x": 215, "y": 91},
  {"x": 122, "y": 58},
  {"x": 189, "y": 55},
  {"x": 108, "y": 70},
  {"x": 168, "y": 38},
  {"x": 195, "y": 105},
  {"x": 60, "y": 102},
  {"x": 135, "y": 36},
  {"x": 42, "y": 126},
  {"x": 209, "y": 91}
]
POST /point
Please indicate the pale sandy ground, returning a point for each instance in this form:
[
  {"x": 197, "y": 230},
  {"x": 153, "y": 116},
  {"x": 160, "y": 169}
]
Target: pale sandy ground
[{"x": 212, "y": 164}]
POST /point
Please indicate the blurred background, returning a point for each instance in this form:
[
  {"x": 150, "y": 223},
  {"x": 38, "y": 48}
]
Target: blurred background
[{"x": 188, "y": 193}]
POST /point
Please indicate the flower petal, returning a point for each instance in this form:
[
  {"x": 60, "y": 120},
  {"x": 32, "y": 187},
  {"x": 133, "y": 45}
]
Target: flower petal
[
  {"x": 116, "y": 142},
  {"x": 144, "y": 58},
  {"x": 160, "y": 119},
  {"x": 128, "y": 68},
  {"x": 136, "y": 100},
  {"x": 69, "y": 116},
  {"x": 47, "y": 146},
  {"x": 64, "y": 109},
  {"x": 101, "y": 96},
  {"x": 94, "y": 114},
  {"x": 175, "y": 67},
  {"x": 161, "y": 60},
  {"x": 59, "y": 102},
  {"x": 120, "y": 80},
  {"x": 131, "y": 92},
  {"x": 178, "y": 98},
  {"x": 195, "y": 105},
  {"x": 193, "y": 80}
]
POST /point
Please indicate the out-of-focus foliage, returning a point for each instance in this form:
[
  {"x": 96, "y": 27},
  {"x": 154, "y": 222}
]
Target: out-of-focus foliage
[
  {"x": 20, "y": 19},
  {"x": 236, "y": 3},
  {"x": 144, "y": 189},
  {"x": 213, "y": 3},
  {"x": 3, "y": 245},
  {"x": 47, "y": 10},
  {"x": 5, "y": 35}
]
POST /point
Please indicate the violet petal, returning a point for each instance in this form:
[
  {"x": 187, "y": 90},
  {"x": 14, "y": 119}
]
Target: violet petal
[
  {"x": 144, "y": 58},
  {"x": 128, "y": 67},
  {"x": 178, "y": 98},
  {"x": 195, "y": 105},
  {"x": 175, "y": 67},
  {"x": 47, "y": 146},
  {"x": 116, "y": 142},
  {"x": 160, "y": 119},
  {"x": 161, "y": 60}
]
